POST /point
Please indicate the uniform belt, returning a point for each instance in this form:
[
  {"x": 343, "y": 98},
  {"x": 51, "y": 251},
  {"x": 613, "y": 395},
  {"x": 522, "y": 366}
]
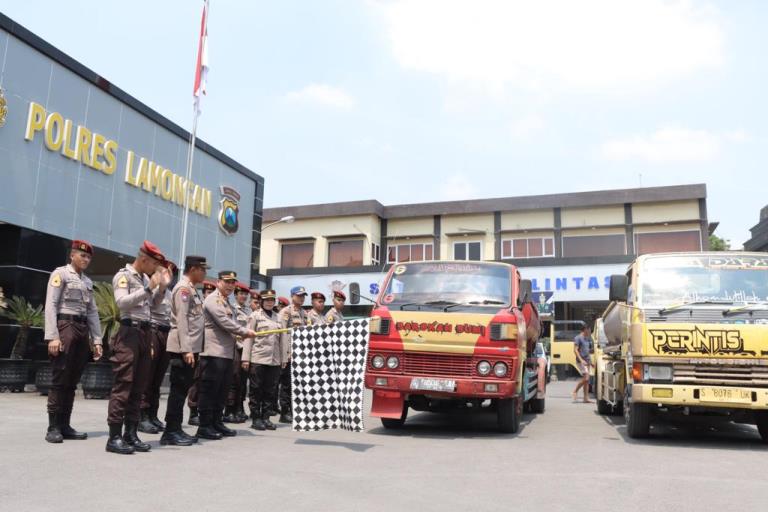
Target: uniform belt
[
  {"x": 160, "y": 327},
  {"x": 81, "y": 319},
  {"x": 130, "y": 322}
]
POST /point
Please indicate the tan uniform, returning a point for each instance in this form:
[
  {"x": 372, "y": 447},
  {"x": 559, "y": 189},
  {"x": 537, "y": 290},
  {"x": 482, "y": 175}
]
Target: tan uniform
[
  {"x": 333, "y": 316},
  {"x": 220, "y": 327},
  {"x": 187, "y": 319},
  {"x": 290, "y": 316},
  {"x": 133, "y": 295},
  {"x": 315, "y": 318},
  {"x": 266, "y": 349}
]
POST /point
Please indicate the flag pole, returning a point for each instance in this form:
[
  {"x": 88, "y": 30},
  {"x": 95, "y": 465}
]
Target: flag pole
[{"x": 199, "y": 89}]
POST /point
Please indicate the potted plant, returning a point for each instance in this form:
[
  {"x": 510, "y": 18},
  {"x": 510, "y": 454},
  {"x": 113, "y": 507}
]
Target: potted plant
[
  {"x": 97, "y": 378},
  {"x": 14, "y": 370}
]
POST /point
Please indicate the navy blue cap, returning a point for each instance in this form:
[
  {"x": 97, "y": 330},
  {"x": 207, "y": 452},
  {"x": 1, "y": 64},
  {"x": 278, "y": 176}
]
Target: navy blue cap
[{"x": 298, "y": 290}]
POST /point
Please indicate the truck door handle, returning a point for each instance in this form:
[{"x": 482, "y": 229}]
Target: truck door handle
[{"x": 556, "y": 356}]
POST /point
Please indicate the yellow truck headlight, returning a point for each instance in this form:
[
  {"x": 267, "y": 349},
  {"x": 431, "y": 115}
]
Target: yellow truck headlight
[{"x": 657, "y": 372}]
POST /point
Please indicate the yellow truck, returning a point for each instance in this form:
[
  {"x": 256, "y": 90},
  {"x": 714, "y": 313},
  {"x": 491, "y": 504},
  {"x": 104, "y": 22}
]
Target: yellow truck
[{"x": 686, "y": 333}]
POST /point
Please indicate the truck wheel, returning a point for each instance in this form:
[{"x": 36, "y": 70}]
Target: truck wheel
[
  {"x": 637, "y": 417},
  {"x": 508, "y": 414},
  {"x": 761, "y": 419},
  {"x": 395, "y": 423},
  {"x": 604, "y": 408},
  {"x": 537, "y": 405}
]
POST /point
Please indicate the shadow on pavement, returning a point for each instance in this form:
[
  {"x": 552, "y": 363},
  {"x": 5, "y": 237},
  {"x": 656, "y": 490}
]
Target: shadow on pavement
[
  {"x": 694, "y": 432},
  {"x": 452, "y": 425},
  {"x": 355, "y": 447}
]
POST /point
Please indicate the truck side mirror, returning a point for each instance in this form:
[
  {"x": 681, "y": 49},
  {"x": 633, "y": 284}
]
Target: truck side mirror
[
  {"x": 526, "y": 291},
  {"x": 354, "y": 293},
  {"x": 619, "y": 288}
]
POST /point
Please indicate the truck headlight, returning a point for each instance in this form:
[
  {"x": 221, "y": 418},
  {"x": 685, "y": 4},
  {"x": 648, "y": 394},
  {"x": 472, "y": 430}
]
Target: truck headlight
[
  {"x": 483, "y": 368},
  {"x": 393, "y": 362},
  {"x": 658, "y": 372},
  {"x": 377, "y": 362},
  {"x": 500, "y": 369}
]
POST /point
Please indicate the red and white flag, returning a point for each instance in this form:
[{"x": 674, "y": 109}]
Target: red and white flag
[{"x": 201, "y": 70}]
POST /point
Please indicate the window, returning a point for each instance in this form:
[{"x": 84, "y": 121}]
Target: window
[
  {"x": 471, "y": 251},
  {"x": 345, "y": 253},
  {"x": 297, "y": 255},
  {"x": 594, "y": 245},
  {"x": 672, "y": 241},
  {"x": 375, "y": 254},
  {"x": 409, "y": 252},
  {"x": 528, "y": 248}
]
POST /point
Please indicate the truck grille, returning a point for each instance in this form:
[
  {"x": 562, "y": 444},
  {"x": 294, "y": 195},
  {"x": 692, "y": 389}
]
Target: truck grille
[
  {"x": 437, "y": 364},
  {"x": 752, "y": 376}
]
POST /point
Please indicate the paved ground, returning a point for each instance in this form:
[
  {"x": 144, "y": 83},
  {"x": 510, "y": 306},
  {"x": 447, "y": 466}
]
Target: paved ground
[{"x": 566, "y": 459}]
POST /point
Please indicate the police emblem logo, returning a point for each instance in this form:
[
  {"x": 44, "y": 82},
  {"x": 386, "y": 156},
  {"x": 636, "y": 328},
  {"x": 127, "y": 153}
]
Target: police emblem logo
[
  {"x": 56, "y": 281},
  {"x": 3, "y": 108},
  {"x": 229, "y": 210}
]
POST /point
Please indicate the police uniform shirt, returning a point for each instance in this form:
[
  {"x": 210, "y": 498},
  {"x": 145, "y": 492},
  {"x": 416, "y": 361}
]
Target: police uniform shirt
[
  {"x": 220, "y": 327},
  {"x": 334, "y": 315},
  {"x": 241, "y": 316},
  {"x": 315, "y": 318},
  {"x": 70, "y": 293},
  {"x": 160, "y": 313},
  {"x": 132, "y": 294},
  {"x": 187, "y": 320},
  {"x": 266, "y": 349},
  {"x": 291, "y": 316}
]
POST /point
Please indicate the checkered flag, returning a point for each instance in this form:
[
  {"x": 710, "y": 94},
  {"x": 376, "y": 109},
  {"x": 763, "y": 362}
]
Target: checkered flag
[{"x": 328, "y": 376}]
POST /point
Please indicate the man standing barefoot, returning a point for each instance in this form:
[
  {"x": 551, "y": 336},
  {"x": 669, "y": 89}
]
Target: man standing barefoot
[{"x": 582, "y": 346}]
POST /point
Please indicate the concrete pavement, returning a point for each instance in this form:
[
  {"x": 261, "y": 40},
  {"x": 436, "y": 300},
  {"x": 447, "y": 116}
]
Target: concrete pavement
[{"x": 569, "y": 458}]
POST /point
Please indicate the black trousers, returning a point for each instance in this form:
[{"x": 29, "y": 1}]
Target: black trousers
[
  {"x": 263, "y": 387},
  {"x": 68, "y": 365},
  {"x": 285, "y": 389},
  {"x": 181, "y": 378},
  {"x": 215, "y": 378}
]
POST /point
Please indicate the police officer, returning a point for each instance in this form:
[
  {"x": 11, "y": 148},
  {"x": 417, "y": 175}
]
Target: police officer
[
  {"x": 315, "y": 316},
  {"x": 208, "y": 288},
  {"x": 185, "y": 342},
  {"x": 131, "y": 359},
  {"x": 70, "y": 315},
  {"x": 216, "y": 358},
  {"x": 291, "y": 316},
  {"x": 160, "y": 326},
  {"x": 234, "y": 412},
  {"x": 335, "y": 314},
  {"x": 255, "y": 301},
  {"x": 263, "y": 357},
  {"x": 281, "y": 303}
]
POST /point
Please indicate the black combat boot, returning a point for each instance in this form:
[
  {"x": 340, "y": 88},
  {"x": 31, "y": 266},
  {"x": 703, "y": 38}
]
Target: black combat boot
[
  {"x": 67, "y": 432},
  {"x": 206, "y": 430},
  {"x": 155, "y": 420},
  {"x": 145, "y": 425},
  {"x": 257, "y": 421},
  {"x": 231, "y": 415},
  {"x": 132, "y": 439},
  {"x": 194, "y": 417},
  {"x": 53, "y": 435},
  {"x": 286, "y": 417},
  {"x": 115, "y": 443},
  {"x": 241, "y": 416},
  {"x": 174, "y": 436},
  {"x": 219, "y": 426},
  {"x": 267, "y": 423}
]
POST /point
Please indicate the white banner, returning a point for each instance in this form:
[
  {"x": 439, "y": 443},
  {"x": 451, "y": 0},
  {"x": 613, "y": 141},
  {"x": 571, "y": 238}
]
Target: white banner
[{"x": 573, "y": 283}]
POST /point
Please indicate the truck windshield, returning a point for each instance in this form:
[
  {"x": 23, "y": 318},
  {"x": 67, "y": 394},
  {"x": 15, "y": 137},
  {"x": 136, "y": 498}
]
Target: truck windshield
[
  {"x": 670, "y": 280},
  {"x": 473, "y": 284}
]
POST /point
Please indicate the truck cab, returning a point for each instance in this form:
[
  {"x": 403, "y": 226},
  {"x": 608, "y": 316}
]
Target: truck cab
[
  {"x": 454, "y": 334},
  {"x": 686, "y": 333}
]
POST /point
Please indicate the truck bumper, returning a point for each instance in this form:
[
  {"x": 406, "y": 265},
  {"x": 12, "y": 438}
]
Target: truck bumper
[
  {"x": 691, "y": 395},
  {"x": 388, "y": 397}
]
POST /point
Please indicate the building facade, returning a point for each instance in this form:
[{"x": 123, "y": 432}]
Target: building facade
[
  {"x": 759, "y": 240},
  {"x": 566, "y": 244},
  {"x": 80, "y": 158}
]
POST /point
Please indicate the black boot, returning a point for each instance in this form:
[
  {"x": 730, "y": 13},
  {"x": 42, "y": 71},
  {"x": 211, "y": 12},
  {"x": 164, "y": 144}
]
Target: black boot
[
  {"x": 267, "y": 423},
  {"x": 286, "y": 417},
  {"x": 67, "y": 432},
  {"x": 241, "y": 416},
  {"x": 132, "y": 439},
  {"x": 146, "y": 425},
  {"x": 194, "y": 418},
  {"x": 257, "y": 421},
  {"x": 174, "y": 436},
  {"x": 219, "y": 425},
  {"x": 53, "y": 435},
  {"x": 231, "y": 416},
  {"x": 155, "y": 420},
  {"x": 206, "y": 430},
  {"x": 192, "y": 439},
  {"x": 115, "y": 443}
]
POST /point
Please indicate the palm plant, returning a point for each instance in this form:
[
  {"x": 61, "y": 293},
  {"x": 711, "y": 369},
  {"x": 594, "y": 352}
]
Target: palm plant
[
  {"x": 25, "y": 316},
  {"x": 109, "y": 313}
]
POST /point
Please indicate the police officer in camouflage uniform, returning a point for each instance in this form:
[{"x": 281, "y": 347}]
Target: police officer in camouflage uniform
[
  {"x": 290, "y": 317},
  {"x": 70, "y": 316},
  {"x": 185, "y": 342},
  {"x": 131, "y": 359}
]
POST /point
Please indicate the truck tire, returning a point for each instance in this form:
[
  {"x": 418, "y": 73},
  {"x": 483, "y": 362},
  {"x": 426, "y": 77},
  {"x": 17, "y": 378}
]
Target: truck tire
[
  {"x": 396, "y": 423},
  {"x": 637, "y": 417},
  {"x": 761, "y": 419},
  {"x": 604, "y": 408},
  {"x": 537, "y": 405},
  {"x": 508, "y": 415}
]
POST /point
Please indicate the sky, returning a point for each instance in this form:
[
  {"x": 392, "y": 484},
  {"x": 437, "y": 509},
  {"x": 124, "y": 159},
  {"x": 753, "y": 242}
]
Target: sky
[{"x": 429, "y": 100}]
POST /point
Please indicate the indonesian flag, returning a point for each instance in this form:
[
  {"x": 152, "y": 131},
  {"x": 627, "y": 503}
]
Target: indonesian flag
[{"x": 201, "y": 70}]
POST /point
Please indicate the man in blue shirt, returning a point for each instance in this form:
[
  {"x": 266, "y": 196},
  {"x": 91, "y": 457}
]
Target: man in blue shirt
[{"x": 582, "y": 347}]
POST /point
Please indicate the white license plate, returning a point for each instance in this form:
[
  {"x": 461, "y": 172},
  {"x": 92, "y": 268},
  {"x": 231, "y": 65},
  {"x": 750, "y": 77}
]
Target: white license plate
[
  {"x": 445, "y": 385},
  {"x": 741, "y": 396}
]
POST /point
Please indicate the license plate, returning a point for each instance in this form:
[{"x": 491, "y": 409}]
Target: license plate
[
  {"x": 433, "y": 384},
  {"x": 741, "y": 396}
]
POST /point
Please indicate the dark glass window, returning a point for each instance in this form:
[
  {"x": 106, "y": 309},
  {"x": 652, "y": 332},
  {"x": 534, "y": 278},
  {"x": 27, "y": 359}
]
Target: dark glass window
[
  {"x": 646, "y": 243},
  {"x": 594, "y": 245},
  {"x": 299, "y": 255},
  {"x": 345, "y": 253}
]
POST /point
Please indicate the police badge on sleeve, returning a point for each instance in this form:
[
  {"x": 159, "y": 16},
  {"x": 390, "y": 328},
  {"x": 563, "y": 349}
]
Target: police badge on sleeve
[{"x": 229, "y": 210}]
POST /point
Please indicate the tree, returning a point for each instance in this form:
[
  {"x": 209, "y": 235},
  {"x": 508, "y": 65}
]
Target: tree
[
  {"x": 719, "y": 244},
  {"x": 25, "y": 316}
]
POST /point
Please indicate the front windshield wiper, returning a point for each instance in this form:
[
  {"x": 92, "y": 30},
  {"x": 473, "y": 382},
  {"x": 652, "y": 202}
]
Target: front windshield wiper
[
  {"x": 673, "y": 307},
  {"x": 403, "y": 306},
  {"x": 746, "y": 307},
  {"x": 485, "y": 302},
  {"x": 446, "y": 303}
]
